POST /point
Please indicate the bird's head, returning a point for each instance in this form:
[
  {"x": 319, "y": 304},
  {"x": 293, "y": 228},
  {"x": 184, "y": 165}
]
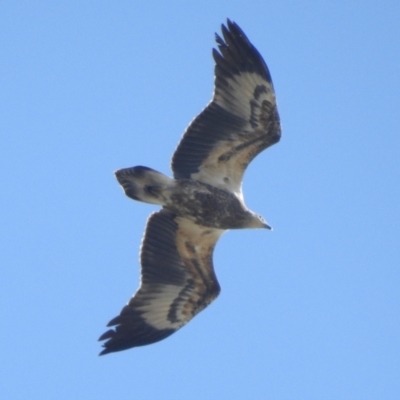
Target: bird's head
[{"x": 257, "y": 221}]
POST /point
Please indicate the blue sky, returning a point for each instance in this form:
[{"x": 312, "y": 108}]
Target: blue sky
[{"x": 307, "y": 311}]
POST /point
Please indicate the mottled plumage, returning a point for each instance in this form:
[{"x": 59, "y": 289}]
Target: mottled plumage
[{"x": 202, "y": 201}]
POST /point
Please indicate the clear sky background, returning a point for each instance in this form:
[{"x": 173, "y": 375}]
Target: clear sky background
[{"x": 307, "y": 311}]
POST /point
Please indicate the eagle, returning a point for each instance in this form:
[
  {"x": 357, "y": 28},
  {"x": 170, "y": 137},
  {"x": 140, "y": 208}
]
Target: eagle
[{"x": 203, "y": 199}]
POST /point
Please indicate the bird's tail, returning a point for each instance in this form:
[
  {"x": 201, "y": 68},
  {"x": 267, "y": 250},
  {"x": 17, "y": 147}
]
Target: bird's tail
[{"x": 144, "y": 184}]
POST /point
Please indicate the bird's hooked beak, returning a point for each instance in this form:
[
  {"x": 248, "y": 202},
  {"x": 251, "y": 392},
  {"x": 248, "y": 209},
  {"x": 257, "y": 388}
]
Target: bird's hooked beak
[
  {"x": 261, "y": 222},
  {"x": 267, "y": 226}
]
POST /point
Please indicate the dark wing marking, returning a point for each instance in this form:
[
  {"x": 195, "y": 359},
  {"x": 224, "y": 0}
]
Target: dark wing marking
[
  {"x": 178, "y": 281},
  {"x": 241, "y": 120}
]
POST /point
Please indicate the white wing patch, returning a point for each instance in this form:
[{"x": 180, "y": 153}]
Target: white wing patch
[
  {"x": 239, "y": 96},
  {"x": 158, "y": 303},
  {"x": 223, "y": 176},
  {"x": 246, "y": 96}
]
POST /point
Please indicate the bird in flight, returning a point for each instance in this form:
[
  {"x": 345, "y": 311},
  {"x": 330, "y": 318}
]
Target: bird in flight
[{"x": 203, "y": 199}]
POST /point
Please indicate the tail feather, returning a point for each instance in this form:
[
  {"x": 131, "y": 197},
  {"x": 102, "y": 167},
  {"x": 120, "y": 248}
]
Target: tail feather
[{"x": 144, "y": 184}]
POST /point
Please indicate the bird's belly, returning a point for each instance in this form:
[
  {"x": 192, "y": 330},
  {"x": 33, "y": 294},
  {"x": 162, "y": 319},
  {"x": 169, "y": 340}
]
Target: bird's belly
[{"x": 207, "y": 205}]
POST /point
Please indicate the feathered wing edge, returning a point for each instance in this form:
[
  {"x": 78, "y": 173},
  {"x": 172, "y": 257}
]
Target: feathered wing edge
[
  {"x": 240, "y": 122},
  {"x": 177, "y": 282}
]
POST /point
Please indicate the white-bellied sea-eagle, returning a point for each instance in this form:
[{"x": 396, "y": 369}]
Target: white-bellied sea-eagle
[{"x": 202, "y": 200}]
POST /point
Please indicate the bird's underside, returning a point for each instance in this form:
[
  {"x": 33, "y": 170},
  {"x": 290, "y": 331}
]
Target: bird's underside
[{"x": 201, "y": 201}]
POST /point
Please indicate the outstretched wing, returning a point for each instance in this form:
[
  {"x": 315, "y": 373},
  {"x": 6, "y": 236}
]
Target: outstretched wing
[
  {"x": 178, "y": 281},
  {"x": 241, "y": 120}
]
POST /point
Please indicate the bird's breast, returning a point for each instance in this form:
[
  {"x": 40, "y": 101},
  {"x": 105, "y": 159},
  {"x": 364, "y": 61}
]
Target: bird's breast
[{"x": 207, "y": 205}]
